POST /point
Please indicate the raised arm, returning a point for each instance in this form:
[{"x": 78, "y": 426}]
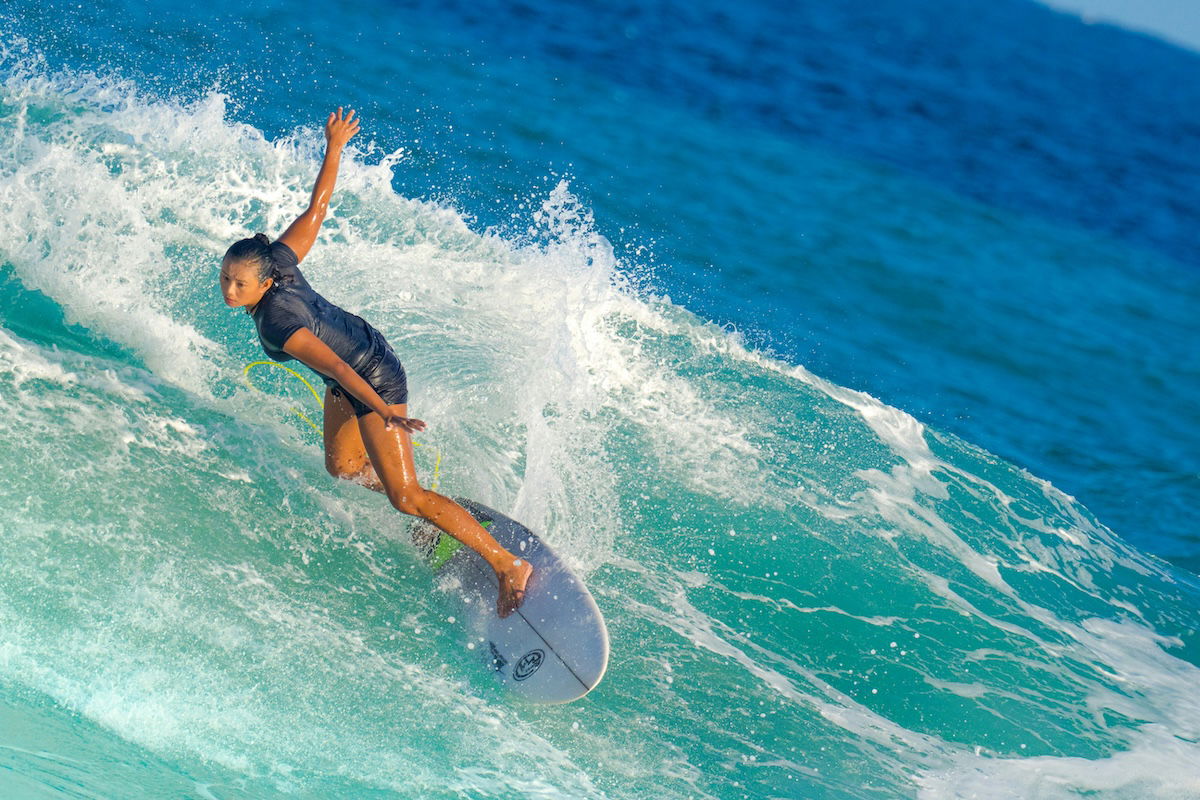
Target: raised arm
[{"x": 301, "y": 234}]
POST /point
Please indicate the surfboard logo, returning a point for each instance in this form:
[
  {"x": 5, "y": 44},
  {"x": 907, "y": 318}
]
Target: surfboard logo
[
  {"x": 498, "y": 661},
  {"x": 528, "y": 664}
]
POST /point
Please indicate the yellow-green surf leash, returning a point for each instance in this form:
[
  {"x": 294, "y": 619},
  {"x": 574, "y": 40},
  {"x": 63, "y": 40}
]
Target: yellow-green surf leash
[{"x": 437, "y": 465}]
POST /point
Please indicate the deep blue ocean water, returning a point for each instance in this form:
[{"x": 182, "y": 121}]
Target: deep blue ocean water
[{"x": 849, "y": 350}]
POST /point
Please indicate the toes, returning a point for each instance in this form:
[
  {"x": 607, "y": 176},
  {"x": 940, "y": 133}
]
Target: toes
[{"x": 510, "y": 595}]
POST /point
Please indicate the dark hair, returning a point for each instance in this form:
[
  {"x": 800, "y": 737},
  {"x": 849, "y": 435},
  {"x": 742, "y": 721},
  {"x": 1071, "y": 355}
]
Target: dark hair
[{"x": 255, "y": 250}]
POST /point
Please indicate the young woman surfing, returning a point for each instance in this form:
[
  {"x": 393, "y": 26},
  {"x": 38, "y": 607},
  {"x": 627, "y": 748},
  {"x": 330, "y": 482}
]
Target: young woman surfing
[{"x": 367, "y": 425}]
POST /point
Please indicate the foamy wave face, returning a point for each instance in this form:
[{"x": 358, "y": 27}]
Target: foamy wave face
[
  {"x": 121, "y": 207},
  {"x": 162, "y": 586}
]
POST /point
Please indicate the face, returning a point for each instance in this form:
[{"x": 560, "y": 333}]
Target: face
[{"x": 239, "y": 284}]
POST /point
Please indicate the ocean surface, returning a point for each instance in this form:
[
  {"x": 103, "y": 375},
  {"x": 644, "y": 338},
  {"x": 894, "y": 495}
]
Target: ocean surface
[{"x": 848, "y": 350}]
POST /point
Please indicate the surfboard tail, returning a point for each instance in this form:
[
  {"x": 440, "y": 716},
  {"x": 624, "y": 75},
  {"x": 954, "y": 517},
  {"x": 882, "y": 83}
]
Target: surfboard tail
[{"x": 555, "y": 647}]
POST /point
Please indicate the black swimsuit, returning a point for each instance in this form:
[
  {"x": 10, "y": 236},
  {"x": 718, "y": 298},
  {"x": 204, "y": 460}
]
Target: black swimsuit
[{"x": 291, "y": 304}]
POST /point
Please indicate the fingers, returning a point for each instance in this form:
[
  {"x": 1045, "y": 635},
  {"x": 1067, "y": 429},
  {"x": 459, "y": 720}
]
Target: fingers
[
  {"x": 341, "y": 127},
  {"x": 404, "y": 423}
]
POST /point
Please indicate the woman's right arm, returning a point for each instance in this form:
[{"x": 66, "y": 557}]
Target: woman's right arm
[
  {"x": 301, "y": 234},
  {"x": 304, "y": 345}
]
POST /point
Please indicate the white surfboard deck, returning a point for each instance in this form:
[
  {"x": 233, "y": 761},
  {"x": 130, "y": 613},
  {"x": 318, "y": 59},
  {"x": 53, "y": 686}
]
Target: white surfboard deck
[{"x": 552, "y": 649}]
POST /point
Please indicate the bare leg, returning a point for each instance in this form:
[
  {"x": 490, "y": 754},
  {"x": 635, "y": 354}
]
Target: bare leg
[
  {"x": 345, "y": 454},
  {"x": 382, "y": 460}
]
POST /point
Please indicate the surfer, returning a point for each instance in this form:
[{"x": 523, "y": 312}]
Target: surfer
[{"x": 367, "y": 426}]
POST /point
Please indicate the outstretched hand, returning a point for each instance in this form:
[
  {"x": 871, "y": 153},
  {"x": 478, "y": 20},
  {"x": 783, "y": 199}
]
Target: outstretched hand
[
  {"x": 339, "y": 129},
  {"x": 410, "y": 424}
]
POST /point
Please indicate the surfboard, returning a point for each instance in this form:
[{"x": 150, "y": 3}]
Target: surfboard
[{"x": 554, "y": 648}]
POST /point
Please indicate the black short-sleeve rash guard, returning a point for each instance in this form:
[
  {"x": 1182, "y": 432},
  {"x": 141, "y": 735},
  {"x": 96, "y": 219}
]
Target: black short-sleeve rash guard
[{"x": 291, "y": 304}]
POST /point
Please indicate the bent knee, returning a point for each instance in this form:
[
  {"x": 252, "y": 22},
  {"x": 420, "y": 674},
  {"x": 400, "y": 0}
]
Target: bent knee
[
  {"x": 408, "y": 499},
  {"x": 345, "y": 470}
]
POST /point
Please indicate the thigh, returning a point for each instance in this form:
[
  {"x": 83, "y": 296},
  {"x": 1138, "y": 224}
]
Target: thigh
[
  {"x": 390, "y": 452},
  {"x": 344, "y": 450}
]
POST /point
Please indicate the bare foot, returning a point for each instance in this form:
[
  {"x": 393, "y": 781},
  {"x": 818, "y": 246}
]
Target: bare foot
[{"x": 512, "y": 587}]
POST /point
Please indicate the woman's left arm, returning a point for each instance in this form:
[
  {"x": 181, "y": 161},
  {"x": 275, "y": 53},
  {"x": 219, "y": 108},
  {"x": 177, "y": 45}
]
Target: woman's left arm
[
  {"x": 304, "y": 345},
  {"x": 301, "y": 234}
]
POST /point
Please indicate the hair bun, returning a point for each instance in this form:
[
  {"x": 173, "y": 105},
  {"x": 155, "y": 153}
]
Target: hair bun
[{"x": 262, "y": 238}]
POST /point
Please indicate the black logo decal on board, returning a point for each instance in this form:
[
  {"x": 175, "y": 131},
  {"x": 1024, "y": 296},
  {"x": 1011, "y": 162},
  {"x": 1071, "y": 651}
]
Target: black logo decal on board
[
  {"x": 498, "y": 661},
  {"x": 528, "y": 664}
]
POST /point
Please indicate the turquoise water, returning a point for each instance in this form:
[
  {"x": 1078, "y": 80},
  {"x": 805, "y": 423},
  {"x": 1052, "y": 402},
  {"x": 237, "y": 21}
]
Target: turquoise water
[{"x": 810, "y": 593}]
